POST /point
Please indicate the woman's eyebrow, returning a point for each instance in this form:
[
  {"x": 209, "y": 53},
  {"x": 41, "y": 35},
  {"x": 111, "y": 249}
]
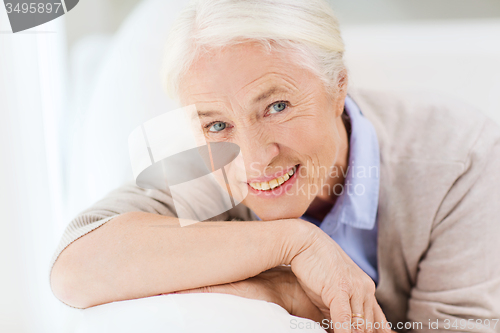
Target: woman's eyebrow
[
  {"x": 202, "y": 114},
  {"x": 271, "y": 91}
]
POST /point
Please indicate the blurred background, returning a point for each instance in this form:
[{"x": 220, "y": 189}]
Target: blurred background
[
  {"x": 72, "y": 90},
  {"x": 105, "y": 16}
]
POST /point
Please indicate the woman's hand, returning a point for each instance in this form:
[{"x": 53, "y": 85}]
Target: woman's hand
[
  {"x": 336, "y": 285},
  {"x": 332, "y": 282},
  {"x": 277, "y": 285}
]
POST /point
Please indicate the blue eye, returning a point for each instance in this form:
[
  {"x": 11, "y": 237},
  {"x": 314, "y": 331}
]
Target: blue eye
[
  {"x": 278, "y": 107},
  {"x": 217, "y": 127}
]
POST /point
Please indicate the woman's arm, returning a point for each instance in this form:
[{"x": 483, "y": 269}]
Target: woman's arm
[
  {"x": 140, "y": 254},
  {"x": 130, "y": 245},
  {"x": 278, "y": 285}
]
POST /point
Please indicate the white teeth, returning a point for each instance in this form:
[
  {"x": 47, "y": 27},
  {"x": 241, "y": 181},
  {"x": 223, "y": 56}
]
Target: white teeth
[
  {"x": 264, "y": 186},
  {"x": 273, "y": 183}
]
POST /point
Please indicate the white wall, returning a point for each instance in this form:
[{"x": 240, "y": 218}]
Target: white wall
[
  {"x": 389, "y": 11},
  {"x": 31, "y": 102},
  {"x": 105, "y": 16}
]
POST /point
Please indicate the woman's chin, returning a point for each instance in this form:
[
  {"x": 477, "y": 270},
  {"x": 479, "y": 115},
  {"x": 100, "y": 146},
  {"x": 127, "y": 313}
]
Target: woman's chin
[{"x": 273, "y": 213}]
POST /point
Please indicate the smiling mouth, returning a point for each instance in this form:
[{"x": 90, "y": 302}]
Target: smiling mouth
[{"x": 274, "y": 183}]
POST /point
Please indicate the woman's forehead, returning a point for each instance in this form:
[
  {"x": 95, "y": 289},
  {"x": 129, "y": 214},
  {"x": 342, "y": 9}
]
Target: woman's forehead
[{"x": 241, "y": 71}]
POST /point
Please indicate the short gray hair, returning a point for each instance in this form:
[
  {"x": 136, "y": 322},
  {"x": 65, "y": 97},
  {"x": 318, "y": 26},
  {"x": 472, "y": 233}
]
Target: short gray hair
[{"x": 308, "y": 28}]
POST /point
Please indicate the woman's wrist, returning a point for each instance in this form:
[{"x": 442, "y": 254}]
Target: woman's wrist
[{"x": 297, "y": 236}]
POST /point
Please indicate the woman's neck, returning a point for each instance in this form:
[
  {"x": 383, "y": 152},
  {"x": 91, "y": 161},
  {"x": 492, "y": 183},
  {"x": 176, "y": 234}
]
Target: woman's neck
[{"x": 324, "y": 202}]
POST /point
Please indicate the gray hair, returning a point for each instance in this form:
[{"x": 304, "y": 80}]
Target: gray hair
[{"x": 308, "y": 29}]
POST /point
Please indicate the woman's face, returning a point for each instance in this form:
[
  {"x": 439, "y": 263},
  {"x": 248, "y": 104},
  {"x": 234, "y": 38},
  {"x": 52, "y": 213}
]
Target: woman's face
[{"x": 289, "y": 129}]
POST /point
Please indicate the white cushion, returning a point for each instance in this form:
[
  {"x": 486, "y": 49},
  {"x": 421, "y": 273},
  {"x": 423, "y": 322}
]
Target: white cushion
[{"x": 188, "y": 313}]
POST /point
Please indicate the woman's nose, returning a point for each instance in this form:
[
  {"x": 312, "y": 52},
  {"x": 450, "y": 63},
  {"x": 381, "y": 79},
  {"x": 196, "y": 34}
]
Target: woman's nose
[{"x": 258, "y": 151}]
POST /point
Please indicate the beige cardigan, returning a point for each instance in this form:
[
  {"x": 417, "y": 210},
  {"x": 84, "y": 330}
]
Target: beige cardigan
[{"x": 438, "y": 214}]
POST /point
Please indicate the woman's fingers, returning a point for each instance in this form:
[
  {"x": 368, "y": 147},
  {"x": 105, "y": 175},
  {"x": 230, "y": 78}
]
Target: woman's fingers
[
  {"x": 334, "y": 278},
  {"x": 380, "y": 325},
  {"x": 368, "y": 316},
  {"x": 340, "y": 312},
  {"x": 357, "y": 307}
]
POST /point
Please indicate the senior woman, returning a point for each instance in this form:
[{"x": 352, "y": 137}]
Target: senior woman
[{"x": 382, "y": 205}]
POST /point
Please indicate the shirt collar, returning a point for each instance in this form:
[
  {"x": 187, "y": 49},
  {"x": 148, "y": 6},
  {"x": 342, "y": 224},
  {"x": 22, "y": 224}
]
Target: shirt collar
[{"x": 357, "y": 204}]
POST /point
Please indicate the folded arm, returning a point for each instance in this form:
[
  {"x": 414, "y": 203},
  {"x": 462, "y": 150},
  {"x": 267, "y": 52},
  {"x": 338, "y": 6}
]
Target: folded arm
[
  {"x": 140, "y": 254},
  {"x": 143, "y": 251}
]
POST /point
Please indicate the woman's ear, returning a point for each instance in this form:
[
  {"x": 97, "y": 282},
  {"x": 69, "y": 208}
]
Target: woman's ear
[
  {"x": 339, "y": 92},
  {"x": 342, "y": 80}
]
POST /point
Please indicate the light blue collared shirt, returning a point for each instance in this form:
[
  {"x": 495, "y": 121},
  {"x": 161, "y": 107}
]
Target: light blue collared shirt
[{"x": 352, "y": 222}]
